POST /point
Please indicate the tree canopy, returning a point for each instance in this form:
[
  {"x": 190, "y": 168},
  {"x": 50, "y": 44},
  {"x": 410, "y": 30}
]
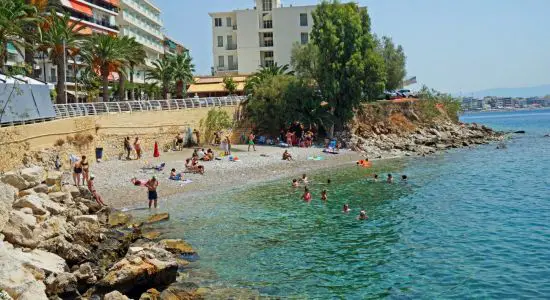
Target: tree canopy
[{"x": 394, "y": 60}]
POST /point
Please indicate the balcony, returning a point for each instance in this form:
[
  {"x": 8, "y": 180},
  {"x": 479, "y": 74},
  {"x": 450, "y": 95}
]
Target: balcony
[
  {"x": 266, "y": 43},
  {"x": 142, "y": 25},
  {"x": 231, "y": 68},
  {"x": 84, "y": 17},
  {"x": 135, "y": 6},
  {"x": 231, "y": 47},
  {"x": 102, "y": 4},
  {"x": 235, "y": 27}
]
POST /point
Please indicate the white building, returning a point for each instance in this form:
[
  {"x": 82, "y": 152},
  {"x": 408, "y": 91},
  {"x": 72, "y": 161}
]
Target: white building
[
  {"x": 141, "y": 19},
  {"x": 245, "y": 40}
]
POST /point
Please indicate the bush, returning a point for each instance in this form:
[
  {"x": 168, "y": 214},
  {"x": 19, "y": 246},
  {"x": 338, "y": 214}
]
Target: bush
[
  {"x": 216, "y": 120},
  {"x": 59, "y": 142}
]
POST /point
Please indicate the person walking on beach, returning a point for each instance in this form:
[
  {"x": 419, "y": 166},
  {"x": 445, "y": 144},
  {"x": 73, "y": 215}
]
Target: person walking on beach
[
  {"x": 127, "y": 147},
  {"x": 152, "y": 186},
  {"x": 251, "y": 138},
  {"x": 137, "y": 147}
]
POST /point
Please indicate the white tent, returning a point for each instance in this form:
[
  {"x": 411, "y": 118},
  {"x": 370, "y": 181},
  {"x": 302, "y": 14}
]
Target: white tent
[{"x": 20, "y": 79}]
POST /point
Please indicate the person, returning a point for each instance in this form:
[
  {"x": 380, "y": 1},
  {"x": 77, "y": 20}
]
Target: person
[
  {"x": 201, "y": 154},
  {"x": 375, "y": 179},
  {"x": 152, "y": 186},
  {"x": 217, "y": 139},
  {"x": 198, "y": 135},
  {"x": 307, "y": 195},
  {"x": 228, "y": 141},
  {"x": 85, "y": 169},
  {"x": 362, "y": 215},
  {"x": 195, "y": 154},
  {"x": 137, "y": 147},
  {"x": 58, "y": 163},
  {"x": 94, "y": 192},
  {"x": 404, "y": 178},
  {"x": 295, "y": 183},
  {"x": 251, "y": 138},
  {"x": 328, "y": 181},
  {"x": 304, "y": 179},
  {"x": 178, "y": 142},
  {"x": 77, "y": 171},
  {"x": 390, "y": 179},
  {"x": 175, "y": 176},
  {"x": 136, "y": 182},
  {"x": 345, "y": 209},
  {"x": 289, "y": 136},
  {"x": 127, "y": 147},
  {"x": 287, "y": 156},
  {"x": 209, "y": 155},
  {"x": 324, "y": 195}
]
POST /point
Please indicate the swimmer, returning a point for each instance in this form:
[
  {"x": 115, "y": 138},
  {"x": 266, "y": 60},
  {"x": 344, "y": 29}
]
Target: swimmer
[
  {"x": 390, "y": 179},
  {"x": 328, "y": 181},
  {"x": 304, "y": 179},
  {"x": 362, "y": 215},
  {"x": 404, "y": 178},
  {"x": 324, "y": 195},
  {"x": 295, "y": 183},
  {"x": 307, "y": 195},
  {"x": 345, "y": 209},
  {"x": 375, "y": 178}
]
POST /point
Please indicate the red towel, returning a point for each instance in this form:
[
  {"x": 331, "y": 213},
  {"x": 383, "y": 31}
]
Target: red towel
[{"x": 156, "y": 153}]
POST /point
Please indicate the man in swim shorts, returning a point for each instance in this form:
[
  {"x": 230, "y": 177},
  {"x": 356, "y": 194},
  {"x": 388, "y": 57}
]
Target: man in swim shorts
[
  {"x": 152, "y": 186},
  {"x": 251, "y": 138}
]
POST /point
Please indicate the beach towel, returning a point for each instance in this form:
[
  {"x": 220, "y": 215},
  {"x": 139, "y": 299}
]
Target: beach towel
[
  {"x": 156, "y": 168},
  {"x": 330, "y": 151},
  {"x": 315, "y": 158}
]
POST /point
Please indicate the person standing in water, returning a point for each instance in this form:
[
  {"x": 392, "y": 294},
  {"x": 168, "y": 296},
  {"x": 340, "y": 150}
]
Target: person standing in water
[
  {"x": 251, "y": 138},
  {"x": 362, "y": 215},
  {"x": 375, "y": 179},
  {"x": 304, "y": 179},
  {"x": 152, "y": 186},
  {"x": 324, "y": 195},
  {"x": 345, "y": 209},
  {"x": 307, "y": 195},
  {"x": 390, "y": 179},
  {"x": 404, "y": 178}
]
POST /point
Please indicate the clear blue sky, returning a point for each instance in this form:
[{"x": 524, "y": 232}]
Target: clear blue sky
[{"x": 451, "y": 45}]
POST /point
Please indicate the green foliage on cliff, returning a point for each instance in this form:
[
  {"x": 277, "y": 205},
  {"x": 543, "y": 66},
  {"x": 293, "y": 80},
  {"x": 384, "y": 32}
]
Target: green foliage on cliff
[
  {"x": 216, "y": 120},
  {"x": 432, "y": 102}
]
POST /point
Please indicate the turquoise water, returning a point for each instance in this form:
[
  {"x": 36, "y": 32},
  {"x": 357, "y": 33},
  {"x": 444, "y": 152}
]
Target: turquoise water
[{"x": 469, "y": 224}]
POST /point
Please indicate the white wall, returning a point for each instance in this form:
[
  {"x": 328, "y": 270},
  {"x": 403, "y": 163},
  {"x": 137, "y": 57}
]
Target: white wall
[
  {"x": 287, "y": 30},
  {"x": 248, "y": 47}
]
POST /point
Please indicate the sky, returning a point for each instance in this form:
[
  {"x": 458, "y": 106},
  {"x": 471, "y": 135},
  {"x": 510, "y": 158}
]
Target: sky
[{"x": 457, "y": 46}]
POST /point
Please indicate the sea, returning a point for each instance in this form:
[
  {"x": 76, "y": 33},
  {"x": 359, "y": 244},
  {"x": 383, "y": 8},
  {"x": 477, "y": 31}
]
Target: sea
[{"x": 468, "y": 223}]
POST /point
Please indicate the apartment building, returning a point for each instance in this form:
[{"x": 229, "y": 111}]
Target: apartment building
[
  {"x": 173, "y": 47},
  {"x": 245, "y": 40},
  {"x": 141, "y": 19}
]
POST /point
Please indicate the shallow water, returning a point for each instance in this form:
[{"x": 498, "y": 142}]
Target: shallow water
[{"x": 468, "y": 224}]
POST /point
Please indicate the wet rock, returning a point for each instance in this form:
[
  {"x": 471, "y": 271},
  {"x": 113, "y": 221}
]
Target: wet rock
[
  {"x": 177, "y": 246},
  {"x": 62, "y": 197},
  {"x": 53, "y": 178},
  {"x": 86, "y": 218},
  {"x": 158, "y": 218},
  {"x": 63, "y": 285},
  {"x": 119, "y": 219},
  {"x": 41, "y": 188},
  {"x": 71, "y": 252},
  {"x": 115, "y": 295},
  {"x": 16, "y": 180},
  {"x": 33, "y": 175},
  {"x": 151, "y": 294},
  {"x": 180, "y": 290},
  {"x": 33, "y": 202},
  {"x": 7, "y": 197},
  {"x": 151, "y": 235}
]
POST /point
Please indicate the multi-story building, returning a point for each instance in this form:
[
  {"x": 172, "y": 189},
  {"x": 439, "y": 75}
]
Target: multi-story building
[
  {"x": 245, "y": 40},
  {"x": 172, "y": 47},
  {"x": 141, "y": 20}
]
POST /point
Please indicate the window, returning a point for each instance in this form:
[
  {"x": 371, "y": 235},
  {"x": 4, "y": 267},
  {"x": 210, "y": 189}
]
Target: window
[
  {"x": 269, "y": 63},
  {"x": 220, "y": 41},
  {"x": 230, "y": 62},
  {"x": 218, "y": 22},
  {"x": 267, "y": 5},
  {"x": 304, "y": 38},
  {"x": 221, "y": 61},
  {"x": 268, "y": 39},
  {"x": 228, "y": 22},
  {"x": 268, "y": 24},
  {"x": 303, "y": 19},
  {"x": 268, "y": 54}
]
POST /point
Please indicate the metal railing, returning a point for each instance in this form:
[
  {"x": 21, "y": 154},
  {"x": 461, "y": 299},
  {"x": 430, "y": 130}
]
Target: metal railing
[{"x": 72, "y": 110}]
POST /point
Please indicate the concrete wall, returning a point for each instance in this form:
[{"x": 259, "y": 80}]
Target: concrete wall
[{"x": 35, "y": 143}]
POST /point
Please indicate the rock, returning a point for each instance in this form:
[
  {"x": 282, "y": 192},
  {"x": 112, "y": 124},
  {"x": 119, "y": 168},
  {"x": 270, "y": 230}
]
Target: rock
[
  {"x": 41, "y": 188},
  {"x": 118, "y": 219},
  {"x": 73, "y": 190},
  {"x": 71, "y": 212},
  {"x": 63, "y": 285},
  {"x": 83, "y": 208},
  {"x": 181, "y": 290},
  {"x": 177, "y": 246},
  {"x": 71, "y": 252},
  {"x": 158, "y": 218},
  {"x": 85, "y": 274},
  {"x": 33, "y": 202},
  {"x": 19, "y": 280},
  {"x": 62, "y": 197},
  {"x": 52, "y": 227},
  {"x": 151, "y": 294},
  {"x": 86, "y": 218},
  {"x": 138, "y": 272},
  {"x": 54, "y": 178},
  {"x": 15, "y": 180},
  {"x": 53, "y": 207},
  {"x": 26, "y": 210},
  {"x": 86, "y": 233},
  {"x": 26, "y": 192},
  {"x": 7, "y": 197},
  {"x": 33, "y": 175},
  {"x": 92, "y": 206},
  {"x": 19, "y": 230},
  {"x": 152, "y": 235},
  {"x": 115, "y": 295},
  {"x": 84, "y": 192},
  {"x": 5, "y": 296}
]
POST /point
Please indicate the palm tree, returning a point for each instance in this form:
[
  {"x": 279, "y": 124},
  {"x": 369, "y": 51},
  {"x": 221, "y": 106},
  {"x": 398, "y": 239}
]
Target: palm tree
[
  {"x": 182, "y": 72},
  {"x": 60, "y": 34},
  {"x": 134, "y": 55},
  {"x": 106, "y": 54},
  {"x": 15, "y": 15},
  {"x": 264, "y": 73},
  {"x": 161, "y": 73}
]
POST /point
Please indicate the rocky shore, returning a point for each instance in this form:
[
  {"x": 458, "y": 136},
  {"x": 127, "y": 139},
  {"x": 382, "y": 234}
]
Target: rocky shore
[{"x": 58, "y": 243}]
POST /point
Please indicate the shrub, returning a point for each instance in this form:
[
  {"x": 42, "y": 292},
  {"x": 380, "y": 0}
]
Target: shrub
[{"x": 59, "y": 142}]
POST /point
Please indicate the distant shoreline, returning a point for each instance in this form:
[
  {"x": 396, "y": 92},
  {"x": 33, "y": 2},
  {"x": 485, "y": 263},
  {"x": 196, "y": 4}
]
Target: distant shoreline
[{"x": 506, "y": 110}]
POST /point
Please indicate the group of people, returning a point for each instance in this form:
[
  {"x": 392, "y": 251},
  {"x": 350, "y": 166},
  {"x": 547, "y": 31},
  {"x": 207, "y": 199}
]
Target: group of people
[
  {"x": 297, "y": 135},
  {"x": 81, "y": 174},
  {"x": 129, "y": 147}
]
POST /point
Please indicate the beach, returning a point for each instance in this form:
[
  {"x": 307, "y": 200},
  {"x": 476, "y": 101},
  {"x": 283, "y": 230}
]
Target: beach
[{"x": 113, "y": 177}]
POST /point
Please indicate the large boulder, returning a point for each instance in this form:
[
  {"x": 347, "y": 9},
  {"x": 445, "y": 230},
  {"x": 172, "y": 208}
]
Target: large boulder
[
  {"x": 177, "y": 246},
  {"x": 73, "y": 253},
  {"x": 115, "y": 295},
  {"x": 33, "y": 202},
  {"x": 141, "y": 271},
  {"x": 19, "y": 230},
  {"x": 16, "y": 180},
  {"x": 41, "y": 188},
  {"x": 71, "y": 212},
  {"x": 7, "y": 197},
  {"x": 33, "y": 175},
  {"x": 119, "y": 219},
  {"x": 52, "y": 227},
  {"x": 73, "y": 190},
  {"x": 53, "y": 178},
  {"x": 183, "y": 290},
  {"x": 63, "y": 285},
  {"x": 53, "y": 207},
  {"x": 86, "y": 233},
  {"x": 86, "y": 218},
  {"x": 62, "y": 197}
]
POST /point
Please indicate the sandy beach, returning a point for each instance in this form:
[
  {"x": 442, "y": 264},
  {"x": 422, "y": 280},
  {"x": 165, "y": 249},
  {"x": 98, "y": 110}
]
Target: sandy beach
[{"x": 113, "y": 177}]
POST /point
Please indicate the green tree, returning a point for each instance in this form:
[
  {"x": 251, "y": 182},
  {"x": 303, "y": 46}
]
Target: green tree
[
  {"x": 264, "y": 73},
  {"x": 230, "y": 85},
  {"x": 161, "y": 73},
  {"x": 394, "y": 60},
  {"x": 90, "y": 82},
  {"x": 135, "y": 55},
  {"x": 216, "y": 120},
  {"x": 352, "y": 70},
  {"x": 305, "y": 60},
  {"x": 15, "y": 16},
  {"x": 60, "y": 35},
  {"x": 305, "y": 104},
  {"x": 182, "y": 70}
]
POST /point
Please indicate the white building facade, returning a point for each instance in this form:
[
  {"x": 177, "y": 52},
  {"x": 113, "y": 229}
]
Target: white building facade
[
  {"x": 246, "y": 40},
  {"x": 141, "y": 20}
]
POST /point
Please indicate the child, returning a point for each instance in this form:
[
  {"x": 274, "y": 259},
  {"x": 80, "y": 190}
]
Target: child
[
  {"x": 307, "y": 195},
  {"x": 295, "y": 183},
  {"x": 345, "y": 209},
  {"x": 324, "y": 195},
  {"x": 304, "y": 179}
]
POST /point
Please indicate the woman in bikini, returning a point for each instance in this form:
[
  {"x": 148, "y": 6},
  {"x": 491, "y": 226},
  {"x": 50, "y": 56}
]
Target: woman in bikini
[
  {"x": 85, "y": 169},
  {"x": 77, "y": 170},
  {"x": 137, "y": 146}
]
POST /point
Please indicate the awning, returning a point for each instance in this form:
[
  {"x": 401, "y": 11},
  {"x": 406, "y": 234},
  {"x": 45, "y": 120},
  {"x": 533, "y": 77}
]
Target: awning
[
  {"x": 84, "y": 30},
  {"x": 212, "y": 88},
  {"x": 82, "y": 8},
  {"x": 11, "y": 48},
  {"x": 114, "y": 2}
]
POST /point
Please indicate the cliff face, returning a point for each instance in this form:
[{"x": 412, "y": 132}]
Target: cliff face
[{"x": 412, "y": 128}]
